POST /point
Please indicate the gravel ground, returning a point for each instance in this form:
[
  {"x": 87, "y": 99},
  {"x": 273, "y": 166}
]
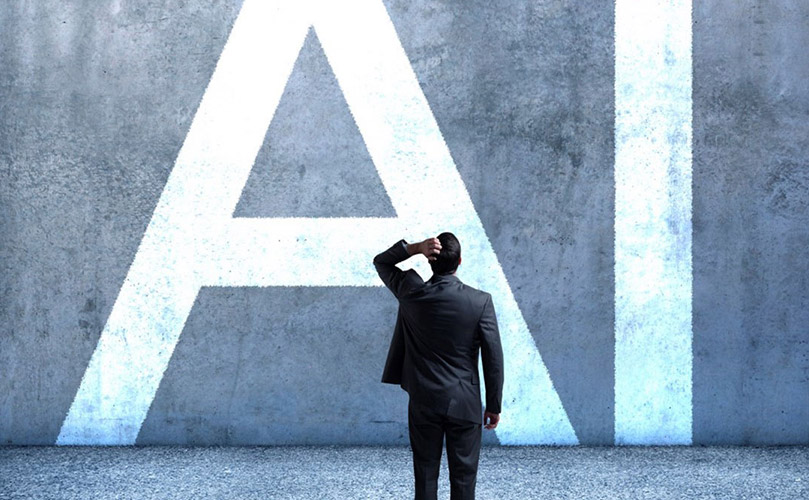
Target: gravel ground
[{"x": 348, "y": 472}]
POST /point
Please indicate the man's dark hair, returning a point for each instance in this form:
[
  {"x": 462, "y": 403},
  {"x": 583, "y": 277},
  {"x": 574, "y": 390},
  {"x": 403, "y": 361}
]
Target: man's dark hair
[{"x": 448, "y": 257}]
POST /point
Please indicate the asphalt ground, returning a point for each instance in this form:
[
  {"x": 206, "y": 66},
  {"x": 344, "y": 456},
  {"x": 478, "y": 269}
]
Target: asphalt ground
[{"x": 348, "y": 472}]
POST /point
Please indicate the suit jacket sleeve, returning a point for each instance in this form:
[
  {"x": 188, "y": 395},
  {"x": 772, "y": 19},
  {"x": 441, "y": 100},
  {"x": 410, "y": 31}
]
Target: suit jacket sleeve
[
  {"x": 398, "y": 281},
  {"x": 392, "y": 374},
  {"x": 492, "y": 355}
]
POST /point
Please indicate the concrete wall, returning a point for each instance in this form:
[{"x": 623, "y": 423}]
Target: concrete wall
[{"x": 97, "y": 98}]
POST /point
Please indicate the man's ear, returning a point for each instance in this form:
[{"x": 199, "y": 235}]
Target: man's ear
[{"x": 459, "y": 260}]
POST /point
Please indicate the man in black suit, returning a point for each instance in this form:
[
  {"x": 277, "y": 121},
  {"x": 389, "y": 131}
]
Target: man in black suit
[{"x": 441, "y": 326}]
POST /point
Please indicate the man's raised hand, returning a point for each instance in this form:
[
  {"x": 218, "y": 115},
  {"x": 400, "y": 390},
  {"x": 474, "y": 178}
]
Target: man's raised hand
[{"x": 430, "y": 248}]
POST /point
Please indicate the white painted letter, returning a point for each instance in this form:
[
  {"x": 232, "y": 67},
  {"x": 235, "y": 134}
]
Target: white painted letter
[
  {"x": 193, "y": 241},
  {"x": 653, "y": 222}
]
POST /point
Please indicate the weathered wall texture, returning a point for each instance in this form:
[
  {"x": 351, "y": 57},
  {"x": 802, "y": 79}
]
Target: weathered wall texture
[
  {"x": 97, "y": 98},
  {"x": 751, "y": 209}
]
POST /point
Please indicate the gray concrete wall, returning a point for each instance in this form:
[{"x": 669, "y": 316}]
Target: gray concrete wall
[
  {"x": 97, "y": 98},
  {"x": 751, "y": 201}
]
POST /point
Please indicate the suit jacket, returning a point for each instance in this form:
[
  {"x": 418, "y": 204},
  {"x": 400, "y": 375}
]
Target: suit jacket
[{"x": 441, "y": 327}]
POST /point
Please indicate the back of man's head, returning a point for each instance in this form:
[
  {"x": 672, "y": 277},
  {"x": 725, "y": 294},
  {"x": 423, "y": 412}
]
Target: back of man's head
[{"x": 450, "y": 255}]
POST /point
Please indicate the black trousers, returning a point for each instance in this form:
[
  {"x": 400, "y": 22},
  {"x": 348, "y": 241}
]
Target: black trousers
[{"x": 427, "y": 431}]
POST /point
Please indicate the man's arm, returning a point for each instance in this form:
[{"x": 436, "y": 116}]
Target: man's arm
[
  {"x": 492, "y": 355},
  {"x": 395, "y": 279}
]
